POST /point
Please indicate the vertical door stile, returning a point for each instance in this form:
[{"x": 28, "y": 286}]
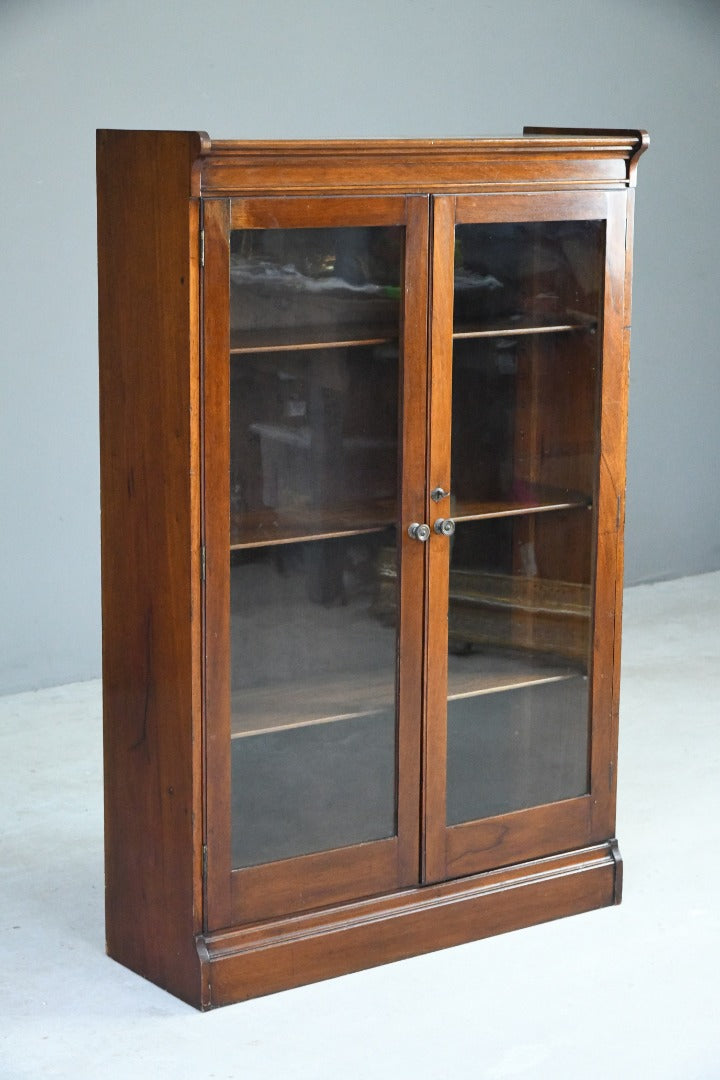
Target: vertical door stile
[
  {"x": 216, "y": 540},
  {"x": 413, "y": 420},
  {"x": 611, "y": 494},
  {"x": 440, "y": 408}
]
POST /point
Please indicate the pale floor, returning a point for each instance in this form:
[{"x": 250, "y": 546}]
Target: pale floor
[{"x": 623, "y": 992}]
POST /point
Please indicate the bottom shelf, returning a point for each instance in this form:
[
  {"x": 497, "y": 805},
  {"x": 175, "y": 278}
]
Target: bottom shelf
[
  {"x": 320, "y": 773},
  {"x": 512, "y": 751},
  {"x": 311, "y": 788}
]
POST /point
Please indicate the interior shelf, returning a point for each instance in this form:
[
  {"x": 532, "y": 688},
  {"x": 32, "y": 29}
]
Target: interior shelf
[
  {"x": 488, "y": 673},
  {"x": 516, "y": 325},
  {"x": 264, "y": 528},
  {"x": 293, "y": 339},
  {"x": 262, "y": 710},
  {"x": 480, "y": 510}
]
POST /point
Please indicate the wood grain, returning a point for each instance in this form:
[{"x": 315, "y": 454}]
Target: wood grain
[
  {"x": 147, "y": 293},
  {"x": 384, "y": 166},
  {"x": 307, "y": 213},
  {"x": 314, "y": 881},
  {"x": 621, "y": 436},
  {"x": 413, "y": 555},
  {"x": 610, "y": 517},
  {"x": 440, "y": 398},
  {"x": 531, "y": 206},
  {"x": 516, "y": 837},
  {"x": 216, "y": 537},
  {"x": 640, "y": 136},
  {"x": 295, "y": 951}
]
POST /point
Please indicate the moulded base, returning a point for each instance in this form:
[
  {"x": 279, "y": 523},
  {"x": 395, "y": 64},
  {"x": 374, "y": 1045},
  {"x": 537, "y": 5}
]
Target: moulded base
[{"x": 264, "y": 958}]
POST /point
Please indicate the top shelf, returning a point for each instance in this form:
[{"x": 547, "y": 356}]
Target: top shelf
[
  {"x": 519, "y": 325},
  {"x": 299, "y": 338},
  {"x": 291, "y": 339}
]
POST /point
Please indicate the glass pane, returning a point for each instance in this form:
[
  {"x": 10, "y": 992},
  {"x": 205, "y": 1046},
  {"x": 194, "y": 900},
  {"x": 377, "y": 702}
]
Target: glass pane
[
  {"x": 527, "y": 274},
  {"x": 313, "y": 563},
  {"x": 526, "y": 371}
]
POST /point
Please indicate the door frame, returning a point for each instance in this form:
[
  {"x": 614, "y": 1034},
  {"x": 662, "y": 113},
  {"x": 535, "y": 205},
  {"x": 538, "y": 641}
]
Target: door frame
[
  {"x": 236, "y": 896},
  {"x": 475, "y": 846}
]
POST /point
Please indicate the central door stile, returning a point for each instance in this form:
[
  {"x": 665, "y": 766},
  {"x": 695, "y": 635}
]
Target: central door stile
[
  {"x": 438, "y": 470},
  {"x": 413, "y": 564}
]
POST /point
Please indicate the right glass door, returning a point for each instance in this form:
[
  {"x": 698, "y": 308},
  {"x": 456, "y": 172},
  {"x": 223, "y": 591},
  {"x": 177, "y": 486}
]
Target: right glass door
[{"x": 514, "y": 554}]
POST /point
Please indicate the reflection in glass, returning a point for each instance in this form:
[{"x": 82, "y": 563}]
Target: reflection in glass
[
  {"x": 517, "y": 671},
  {"x": 313, "y": 508},
  {"x": 313, "y": 697},
  {"x": 313, "y": 442},
  {"x": 526, "y": 366},
  {"x": 527, "y": 274},
  {"x": 290, "y": 286}
]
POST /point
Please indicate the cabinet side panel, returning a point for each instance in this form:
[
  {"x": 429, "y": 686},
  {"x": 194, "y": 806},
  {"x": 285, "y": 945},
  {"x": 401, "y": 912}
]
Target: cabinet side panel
[{"x": 147, "y": 295}]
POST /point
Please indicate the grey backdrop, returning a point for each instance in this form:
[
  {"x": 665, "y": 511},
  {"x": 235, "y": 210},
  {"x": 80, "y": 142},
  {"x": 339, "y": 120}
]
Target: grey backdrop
[{"x": 323, "y": 68}]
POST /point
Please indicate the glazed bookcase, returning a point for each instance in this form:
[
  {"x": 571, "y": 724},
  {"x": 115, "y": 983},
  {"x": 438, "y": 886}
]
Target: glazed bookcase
[{"x": 363, "y": 415}]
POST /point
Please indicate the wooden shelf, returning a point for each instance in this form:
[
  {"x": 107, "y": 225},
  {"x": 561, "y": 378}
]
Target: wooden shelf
[
  {"x": 264, "y": 528},
  {"x": 471, "y": 510},
  {"x": 294, "y": 339},
  {"x": 328, "y": 700},
  {"x": 517, "y": 325},
  {"x": 262, "y": 710},
  {"x": 485, "y": 673}
]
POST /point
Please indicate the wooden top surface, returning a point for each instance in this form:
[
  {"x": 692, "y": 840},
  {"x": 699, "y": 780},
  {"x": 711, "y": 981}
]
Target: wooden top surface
[
  {"x": 539, "y": 159},
  {"x": 533, "y": 140}
]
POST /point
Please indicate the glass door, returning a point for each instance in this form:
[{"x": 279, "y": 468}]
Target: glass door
[
  {"x": 313, "y": 362},
  {"x": 518, "y": 718}
]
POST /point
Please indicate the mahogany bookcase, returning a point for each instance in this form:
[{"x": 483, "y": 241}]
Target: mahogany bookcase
[{"x": 363, "y": 429}]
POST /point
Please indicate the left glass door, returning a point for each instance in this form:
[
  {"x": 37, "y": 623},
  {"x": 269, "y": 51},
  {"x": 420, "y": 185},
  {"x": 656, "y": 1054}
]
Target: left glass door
[{"x": 307, "y": 363}]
